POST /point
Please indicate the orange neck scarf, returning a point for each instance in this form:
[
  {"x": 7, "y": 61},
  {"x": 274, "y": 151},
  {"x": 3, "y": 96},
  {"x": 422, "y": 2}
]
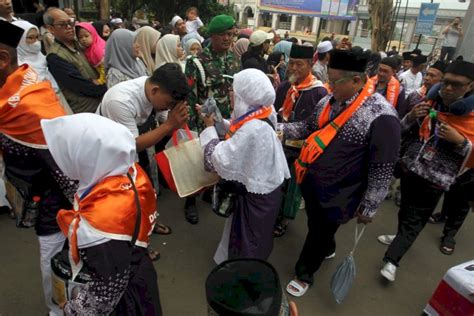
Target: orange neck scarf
[
  {"x": 110, "y": 209},
  {"x": 293, "y": 94},
  {"x": 24, "y": 102},
  {"x": 260, "y": 113},
  {"x": 317, "y": 142},
  {"x": 393, "y": 89},
  {"x": 463, "y": 124}
]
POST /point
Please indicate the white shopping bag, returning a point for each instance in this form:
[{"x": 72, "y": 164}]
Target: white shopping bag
[{"x": 186, "y": 161}]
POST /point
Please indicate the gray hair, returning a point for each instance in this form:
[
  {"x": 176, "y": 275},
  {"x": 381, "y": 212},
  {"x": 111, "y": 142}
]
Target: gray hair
[{"x": 47, "y": 17}]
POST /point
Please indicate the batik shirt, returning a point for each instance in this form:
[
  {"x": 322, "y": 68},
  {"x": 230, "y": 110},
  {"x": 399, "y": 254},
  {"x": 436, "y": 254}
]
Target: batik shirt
[
  {"x": 216, "y": 84},
  {"x": 355, "y": 170}
]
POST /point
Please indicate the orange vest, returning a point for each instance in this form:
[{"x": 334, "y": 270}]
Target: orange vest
[
  {"x": 111, "y": 210},
  {"x": 24, "y": 102},
  {"x": 393, "y": 89}
]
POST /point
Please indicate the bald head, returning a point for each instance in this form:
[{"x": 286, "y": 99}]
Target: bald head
[{"x": 59, "y": 24}]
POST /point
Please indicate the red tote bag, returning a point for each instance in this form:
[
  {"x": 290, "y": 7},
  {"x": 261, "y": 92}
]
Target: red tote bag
[{"x": 164, "y": 164}]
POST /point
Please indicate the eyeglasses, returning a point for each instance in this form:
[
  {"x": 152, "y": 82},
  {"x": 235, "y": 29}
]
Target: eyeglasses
[
  {"x": 334, "y": 82},
  {"x": 454, "y": 84},
  {"x": 63, "y": 25}
]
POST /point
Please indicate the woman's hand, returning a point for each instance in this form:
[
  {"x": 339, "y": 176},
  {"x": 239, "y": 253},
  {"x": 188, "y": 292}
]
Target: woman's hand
[{"x": 208, "y": 120}]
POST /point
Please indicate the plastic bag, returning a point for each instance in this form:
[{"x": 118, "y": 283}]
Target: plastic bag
[
  {"x": 210, "y": 107},
  {"x": 341, "y": 281}
]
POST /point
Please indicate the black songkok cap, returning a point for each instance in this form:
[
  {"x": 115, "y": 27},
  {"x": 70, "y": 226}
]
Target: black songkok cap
[
  {"x": 441, "y": 66},
  {"x": 301, "y": 52},
  {"x": 461, "y": 68},
  {"x": 244, "y": 287},
  {"x": 348, "y": 60},
  {"x": 419, "y": 59},
  {"x": 10, "y": 34},
  {"x": 408, "y": 56},
  {"x": 390, "y": 61}
]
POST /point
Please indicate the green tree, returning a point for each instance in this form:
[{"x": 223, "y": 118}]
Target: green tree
[{"x": 164, "y": 10}]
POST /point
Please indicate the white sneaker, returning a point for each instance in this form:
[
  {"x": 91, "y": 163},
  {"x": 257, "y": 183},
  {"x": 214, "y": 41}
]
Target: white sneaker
[
  {"x": 302, "y": 205},
  {"x": 330, "y": 256},
  {"x": 386, "y": 239},
  {"x": 389, "y": 271}
]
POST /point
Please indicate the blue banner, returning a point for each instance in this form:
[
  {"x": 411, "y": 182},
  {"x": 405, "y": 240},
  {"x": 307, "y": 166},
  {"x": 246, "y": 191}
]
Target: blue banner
[{"x": 426, "y": 18}]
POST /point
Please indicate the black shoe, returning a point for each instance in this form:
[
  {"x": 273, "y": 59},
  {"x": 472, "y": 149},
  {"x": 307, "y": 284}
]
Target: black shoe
[{"x": 191, "y": 214}]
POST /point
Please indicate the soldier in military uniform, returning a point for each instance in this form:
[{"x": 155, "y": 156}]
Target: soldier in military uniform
[{"x": 209, "y": 75}]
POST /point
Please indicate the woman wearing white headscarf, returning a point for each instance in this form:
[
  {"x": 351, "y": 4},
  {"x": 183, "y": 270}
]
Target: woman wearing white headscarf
[
  {"x": 101, "y": 227},
  {"x": 169, "y": 50},
  {"x": 122, "y": 60},
  {"x": 252, "y": 158},
  {"x": 29, "y": 52}
]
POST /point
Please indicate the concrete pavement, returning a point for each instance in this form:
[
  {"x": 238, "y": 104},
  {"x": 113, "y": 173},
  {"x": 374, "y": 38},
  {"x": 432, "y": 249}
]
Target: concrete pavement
[{"x": 186, "y": 259}]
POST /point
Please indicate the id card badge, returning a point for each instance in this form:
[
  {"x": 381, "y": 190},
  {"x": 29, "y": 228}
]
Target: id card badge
[{"x": 429, "y": 153}]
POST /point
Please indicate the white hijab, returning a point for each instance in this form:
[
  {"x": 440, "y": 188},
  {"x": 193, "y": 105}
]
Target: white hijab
[
  {"x": 88, "y": 147},
  {"x": 31, "y": 53},
  {"x": 254, "y": 155},
  {"x": 166, "y": 50}
]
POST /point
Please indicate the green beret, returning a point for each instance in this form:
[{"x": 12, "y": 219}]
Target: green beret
[{"x": 220, "y": 23}]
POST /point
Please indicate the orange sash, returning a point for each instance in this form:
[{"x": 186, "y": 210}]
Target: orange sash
[
  {"x": 110, "y": 210},
  {"x": 24, "y": 102},
  {"x": 317, "y": 142},
  {"x": 393, "y": 89},
  {"x": 463, "y": 124},
  {"x": 294, "y": 92},
  {"x": 261, "y": 113}
]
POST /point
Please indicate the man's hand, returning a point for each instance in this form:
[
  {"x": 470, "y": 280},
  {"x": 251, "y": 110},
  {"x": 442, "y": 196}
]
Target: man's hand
[
  {"x": 420, "y": 110},
  {"x": 450, "y": 134},
  {"x": 178, "y": 116},
  {"x": 361, "y": 219}
]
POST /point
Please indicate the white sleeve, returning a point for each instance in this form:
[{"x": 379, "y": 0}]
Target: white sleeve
[{"x": 120, "y": 113}]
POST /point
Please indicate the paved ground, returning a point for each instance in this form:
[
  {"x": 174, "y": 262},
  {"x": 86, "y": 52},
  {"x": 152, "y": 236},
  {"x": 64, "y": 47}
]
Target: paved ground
[{"x": 187, "y": 259}]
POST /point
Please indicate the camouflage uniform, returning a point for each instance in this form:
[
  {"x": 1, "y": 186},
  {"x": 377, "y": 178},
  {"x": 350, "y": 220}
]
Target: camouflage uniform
[{"x": 217, "y": 86}]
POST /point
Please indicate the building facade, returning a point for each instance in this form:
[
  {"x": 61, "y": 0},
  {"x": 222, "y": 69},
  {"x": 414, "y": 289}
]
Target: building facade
[{"x": 358, "y": 30}]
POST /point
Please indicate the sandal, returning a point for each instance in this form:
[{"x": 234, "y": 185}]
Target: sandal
[
  {"x": 447, "y": 247},
  {"x": 280, "y": 229},
  {"x": 162, "y": 229},
  {"x": 296, "y": 289},
  {"x": 437, "y": 218},
  {"x": 153, "y": 254}
]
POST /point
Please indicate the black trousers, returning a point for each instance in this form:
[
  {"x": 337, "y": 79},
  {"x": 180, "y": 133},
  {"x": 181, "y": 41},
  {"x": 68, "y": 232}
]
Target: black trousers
[
  {"x": 320, "y": 240},
  {"x": 419, "y": 199},
  {"x": 456, "y": 206},
  {"x": 447, "y": 52}
]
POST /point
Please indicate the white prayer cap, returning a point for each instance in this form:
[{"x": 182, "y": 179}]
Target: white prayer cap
[
  {"x": 175, "y": 20},
  {"x": 116, "y": 21},
  {"x": 324, "y": 47},
  {"x": 259, "y": 37}
]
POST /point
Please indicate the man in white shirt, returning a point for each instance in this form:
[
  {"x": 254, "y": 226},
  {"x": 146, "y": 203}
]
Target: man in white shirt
[
  {"x": 320, "y": 68},
  {"x": 6, "y": 11},
  {"x": 131, "y": 103},
  {"x": 452, "y": 33},
  {"x": 412, "y": 78}
]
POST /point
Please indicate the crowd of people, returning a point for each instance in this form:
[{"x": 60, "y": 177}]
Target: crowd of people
[{"x": 328, "y": 129}]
